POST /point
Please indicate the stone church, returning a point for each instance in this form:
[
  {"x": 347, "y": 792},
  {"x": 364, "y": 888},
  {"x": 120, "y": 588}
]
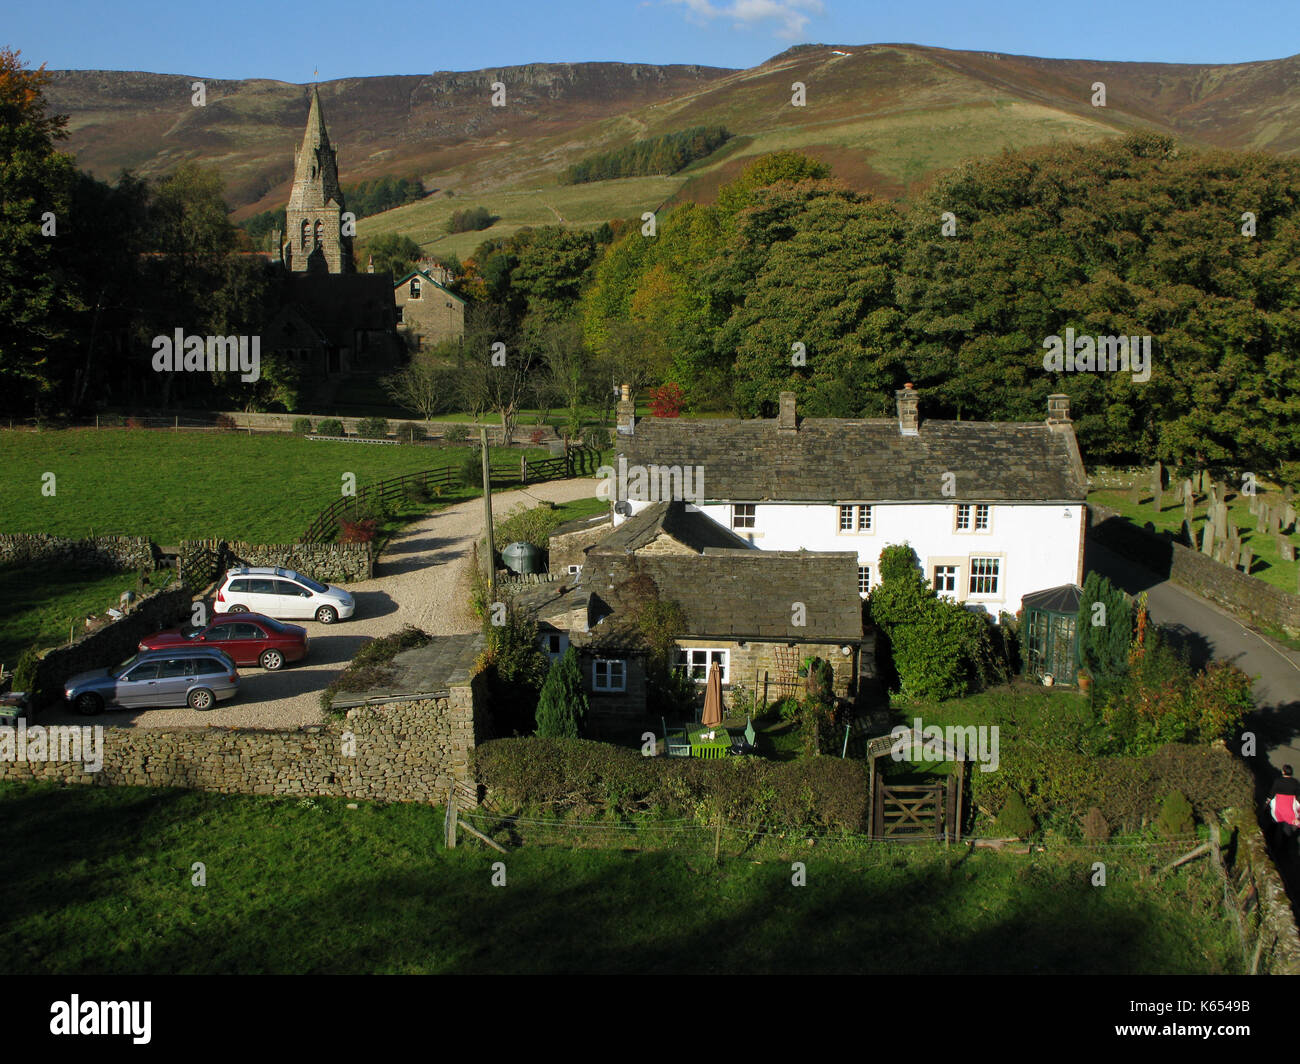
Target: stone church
[{"x": 332, "y": 320}]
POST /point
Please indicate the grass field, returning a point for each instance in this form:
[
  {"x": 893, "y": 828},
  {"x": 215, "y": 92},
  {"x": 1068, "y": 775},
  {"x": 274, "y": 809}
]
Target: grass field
[
  {"x": 174, "y": 486},
  {"x": 1267, "y": 566},
  {"x": 41, "y": 603},
  {"x": 99, "y": 880}
]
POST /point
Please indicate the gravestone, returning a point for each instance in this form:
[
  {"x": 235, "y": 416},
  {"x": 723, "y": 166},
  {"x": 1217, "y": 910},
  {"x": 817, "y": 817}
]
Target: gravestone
[
  {"x": 1247, "y": 556},
  {"x": 1207, "y": 540},
  {"x": 1135, "y": 496},
  {"x": 1274, "y": 521},
  {"x": 1221, "y": 551},
  {"x": 1202, "y": 481},
  {"x": 1189, "y": 510},
  {"x": 1220, "y": 517},
  {"x": 1157, "y": 477},
  {"x": 1234, "y": 555},
  {"x": 1189, "y": 493},
  {"x": 1285, "y": 550},
  {"x": 1187, "y": 535},
  {"x": 1157, "y": 498},
  {"x": 1288, "y": 518},
  {"x": 1252, "y": 504},
  {"x": 1261, "y": 516},
  {"x": 1288, "y": 492}
]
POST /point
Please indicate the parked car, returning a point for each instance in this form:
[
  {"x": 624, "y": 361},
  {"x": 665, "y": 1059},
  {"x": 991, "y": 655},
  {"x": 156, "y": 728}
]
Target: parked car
[
  {"x": 282, "y": 593},
  {"x": 249, "y": 639},
  {"x": 198, "y": 677}
]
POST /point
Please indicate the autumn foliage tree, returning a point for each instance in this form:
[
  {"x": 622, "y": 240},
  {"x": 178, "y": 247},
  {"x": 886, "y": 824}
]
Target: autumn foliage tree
[{"x": 667, "y": 400}]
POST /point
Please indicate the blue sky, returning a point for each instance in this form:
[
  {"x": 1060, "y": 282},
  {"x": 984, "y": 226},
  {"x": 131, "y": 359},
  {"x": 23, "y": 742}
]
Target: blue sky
[{"x": 242, "y": 38}]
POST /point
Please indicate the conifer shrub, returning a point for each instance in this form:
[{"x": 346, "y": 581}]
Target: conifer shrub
[{"x": 562, "y": 706}]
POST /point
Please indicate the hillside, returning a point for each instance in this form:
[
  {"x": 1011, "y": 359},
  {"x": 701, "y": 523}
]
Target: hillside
[{"x": 885, "y": 116}]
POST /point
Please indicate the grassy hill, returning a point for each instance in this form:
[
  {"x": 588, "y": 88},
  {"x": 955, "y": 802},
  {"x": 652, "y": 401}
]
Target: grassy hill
[{"x": 886, "y": 117}]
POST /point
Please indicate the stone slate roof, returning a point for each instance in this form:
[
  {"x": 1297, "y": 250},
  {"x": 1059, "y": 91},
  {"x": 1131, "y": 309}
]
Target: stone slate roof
[
  {"x": 582, "y": 524},
  {"x": 867, "y": 460},
  {"x": 732, "y": 594},
  {"x": 688, "y": 526},
  {"x": 445, "y": 662}
]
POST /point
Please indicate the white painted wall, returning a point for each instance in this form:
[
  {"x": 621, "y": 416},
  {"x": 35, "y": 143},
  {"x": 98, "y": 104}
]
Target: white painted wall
[{"x": 1038, "y": 545}]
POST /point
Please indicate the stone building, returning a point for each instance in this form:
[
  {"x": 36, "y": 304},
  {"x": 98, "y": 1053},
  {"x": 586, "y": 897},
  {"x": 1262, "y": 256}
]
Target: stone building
[
  {"x": 331, "y": 320},
  {"x": 314, "y": 240},
  {"x": 756, "y": 613},
  {"x": 428, "y": 312}
]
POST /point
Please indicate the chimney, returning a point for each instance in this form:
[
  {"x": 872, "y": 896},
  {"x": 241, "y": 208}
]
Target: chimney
[
  {"x": 625, "y": 412},
  {"x": 786, "y": 421},
  {"x": 1058, "y": 410},
  {"x": 909, "y": 418}
]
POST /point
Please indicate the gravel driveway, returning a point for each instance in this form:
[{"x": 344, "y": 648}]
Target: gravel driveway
[{"x": 422, "y": 578}]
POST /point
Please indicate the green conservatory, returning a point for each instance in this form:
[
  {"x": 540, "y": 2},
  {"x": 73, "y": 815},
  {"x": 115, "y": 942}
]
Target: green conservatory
[{"x": 1050, "y": 635}]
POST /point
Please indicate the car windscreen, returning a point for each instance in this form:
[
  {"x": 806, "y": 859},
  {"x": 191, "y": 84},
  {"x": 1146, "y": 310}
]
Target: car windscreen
[
  {"x": 190, "y": 632},
  {"x": 307, "y": 581},
  {"x": 126, "y": 664}
]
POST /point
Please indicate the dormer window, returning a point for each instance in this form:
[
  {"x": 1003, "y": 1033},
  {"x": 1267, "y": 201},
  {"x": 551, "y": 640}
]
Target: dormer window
[{"x": 415, "y": 288}]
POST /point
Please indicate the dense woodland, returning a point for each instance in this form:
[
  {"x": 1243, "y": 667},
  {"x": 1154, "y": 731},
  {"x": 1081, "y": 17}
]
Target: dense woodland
[
  {"x": 655, "y": 155},
  {"x": 790, "y": 280}
]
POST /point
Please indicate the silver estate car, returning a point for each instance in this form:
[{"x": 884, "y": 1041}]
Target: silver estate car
[{"x": 197, "y": 677}]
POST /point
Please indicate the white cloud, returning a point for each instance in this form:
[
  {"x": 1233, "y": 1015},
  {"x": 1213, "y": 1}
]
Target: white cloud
[{"x": 790, "y": 16}]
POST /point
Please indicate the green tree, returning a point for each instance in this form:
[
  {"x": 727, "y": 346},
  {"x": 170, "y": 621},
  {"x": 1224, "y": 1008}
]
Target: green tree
[
  {"x": 1105, "y": 627},
  {"x": 393, "y": 253},
  {"x": 36, "y": 184},
  {"x": 562, "y": 706}
]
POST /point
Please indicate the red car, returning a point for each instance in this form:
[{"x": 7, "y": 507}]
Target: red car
[{"x": 249, "y": 638}]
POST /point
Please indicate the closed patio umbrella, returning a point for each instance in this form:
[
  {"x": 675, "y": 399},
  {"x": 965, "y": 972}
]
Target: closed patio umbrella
[{"x": 713, "y": 698}]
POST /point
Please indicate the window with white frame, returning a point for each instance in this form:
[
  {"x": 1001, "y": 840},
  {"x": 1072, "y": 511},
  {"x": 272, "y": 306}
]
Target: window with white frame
[
  {"x": 695, "y": 662},
  {"x": 984, "y": 575},
  {"x": 864, "y": 579},
  {"x": 963, "y": 518},
  {"x": 609, "y": 674},
  {"x": 742, "y": 515},
  {"x": 981, "y": 518},
  {"x": 855, "y": 518},
  {"x": 945, "y": 579}
]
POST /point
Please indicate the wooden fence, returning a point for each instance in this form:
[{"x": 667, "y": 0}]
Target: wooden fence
[{"x": 527, "y": 471}]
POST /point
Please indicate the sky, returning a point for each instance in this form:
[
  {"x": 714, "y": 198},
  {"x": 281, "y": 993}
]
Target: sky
[{"x": 261, "y": 39}]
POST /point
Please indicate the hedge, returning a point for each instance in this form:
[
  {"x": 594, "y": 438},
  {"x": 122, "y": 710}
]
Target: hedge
[
  {"x": 1127, "y": 790},
  {"x": 578, "y": 775}
]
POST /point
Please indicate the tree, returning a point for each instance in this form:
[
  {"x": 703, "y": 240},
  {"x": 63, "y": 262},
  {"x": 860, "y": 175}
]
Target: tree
[
  {"x": 494, "y": 370},
  {"x": 393, "y": 253},
  {"x": 938, "y": 648},
  {"x": 562, "y": 706},
  {"x": 426, "y": 385},
  {"x": 1105, "y": 627},
  {"x": 36, "y": 185}
]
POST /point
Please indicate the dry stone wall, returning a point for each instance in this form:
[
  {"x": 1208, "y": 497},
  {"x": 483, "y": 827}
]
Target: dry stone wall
[
  {"x": 120, "y": 553},
  {"x": 111, "y": 644},
  {"x": 1244, "y": 595},
  {"x": 203, "y": 561},
  {"x": 400, "y": 751}
]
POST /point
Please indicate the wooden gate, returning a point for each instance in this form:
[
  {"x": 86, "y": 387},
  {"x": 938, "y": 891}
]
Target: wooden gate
[{"x": 910, "y": 811}]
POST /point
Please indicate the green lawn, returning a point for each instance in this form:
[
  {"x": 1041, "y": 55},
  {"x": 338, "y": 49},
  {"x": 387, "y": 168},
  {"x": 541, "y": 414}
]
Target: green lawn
[
  {"x": 175, "y": 486},
  {"x": 40, "y": 603},
  {"x": 1268, "y": 564},
  {"x": 98, "y": 880}
]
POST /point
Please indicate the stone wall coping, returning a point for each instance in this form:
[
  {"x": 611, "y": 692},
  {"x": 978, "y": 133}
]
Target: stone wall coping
[{"x": 379, "y": 700}]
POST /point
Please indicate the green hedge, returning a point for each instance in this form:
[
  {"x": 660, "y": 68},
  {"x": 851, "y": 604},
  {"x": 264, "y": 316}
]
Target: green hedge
[
  {"x": 1061, "y": 785},
  {"x": 577, "y": 775}
]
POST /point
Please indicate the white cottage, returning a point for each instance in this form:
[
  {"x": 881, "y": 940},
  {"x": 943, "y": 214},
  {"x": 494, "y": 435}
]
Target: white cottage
[{"x": 994, "y": 510}]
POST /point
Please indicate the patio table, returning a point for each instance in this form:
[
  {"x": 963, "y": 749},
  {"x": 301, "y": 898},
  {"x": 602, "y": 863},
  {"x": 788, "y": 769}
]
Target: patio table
[{"x": 716, "y": 747}]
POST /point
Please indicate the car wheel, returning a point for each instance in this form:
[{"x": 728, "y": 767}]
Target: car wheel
[
  {"x": 272, "y": 659},
  {"x": 201, "y": 699},
  {"x": 237, "y": 609},
  {"x": 327, "y": 615},
  {"x": 89, "y": 704}
]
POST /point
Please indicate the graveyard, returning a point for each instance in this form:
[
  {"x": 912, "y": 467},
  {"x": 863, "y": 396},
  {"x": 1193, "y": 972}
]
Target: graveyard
[{"x": 1249, "y": 524}]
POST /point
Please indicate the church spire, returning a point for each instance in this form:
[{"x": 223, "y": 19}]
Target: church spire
[{"x": 315, "y": 240}]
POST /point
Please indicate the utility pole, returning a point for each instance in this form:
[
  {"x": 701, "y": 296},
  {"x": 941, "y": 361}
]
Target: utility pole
[{"x": 487, "y": 515}]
